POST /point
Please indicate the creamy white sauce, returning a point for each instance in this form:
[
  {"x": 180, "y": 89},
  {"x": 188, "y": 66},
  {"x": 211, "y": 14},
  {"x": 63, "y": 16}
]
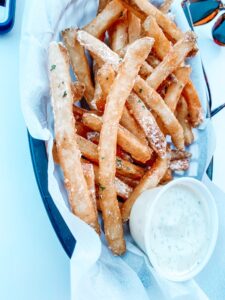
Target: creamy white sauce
[{"x": 179, "y": 230}]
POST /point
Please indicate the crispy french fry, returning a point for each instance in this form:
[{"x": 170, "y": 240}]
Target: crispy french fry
[
  {"x": 79, "y": 62},
  {"x": 66, "y": 139},
  {"x": 106, "y": 76},
  {"x": 145, "y": 70},
  {"x": 123, "y": 167},
  {"x": 134, "y": 27},
  {"x": 129, "y": 181},
  {"x": 174, "y": 90},
  {"x": 172, "y": 60},
  {"x": 77, "y": 91},
  {"x": 149, "y": 180},
  {"x": 168, "y": 176},
  {"x": 153, "y": 61},
  {"x": 89, "y": 175},
  {"x": 97, "y": 48},
  {"x": 153, "y": 100},
  {"x": 129, "y": 123},
  {"x": 182, "y": 116},
  {"x": 165, "y": 7},
  {"x": 177, "y": 154},
  {"x": 143, "y": 9},
  {"x": 125, "y": 139},
  {"x": 112, "y": 11},
  {"x": 141, "y": 87},
  {"x": 119, "y": 34},
  {"x": 162, "y": 45},
  {"x": 102, "y": 4},
  {"x": 179, "y": 165},
  {"x": 147, "y": 122},
  {"x": 127, "y": 72},
  {"x": 123, "y": 190},
  {"x": 194, "y": 104}
]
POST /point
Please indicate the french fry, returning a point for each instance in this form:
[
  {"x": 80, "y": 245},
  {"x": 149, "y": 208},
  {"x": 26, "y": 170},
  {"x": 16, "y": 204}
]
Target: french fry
[
  {"x": 145, "y": 70},
  {"x": 89, "y": 176},
  {"x": 112, "y": 11},
  {"x": 150, "y": 180},
  {"x": 135, "y": 55},
  {"x": 143, "y": 9},
  {"x": 102, "y": 4},
  {"x": 125, "y": 139},
  {"x": 134, "y": 27},
  {"x": 122, "y": 189},
  {"x": 118, "y": 34},
  {"x": 77, "y": 91},
  {"x": 130, "y": 124},
  {"x": 194, "y": 104},
  {"x": 90, "y": 151},
  {"x": 141, "y": 87},
  {"x": 79, "y": 62},
  {"x": 66, "y": 139},
  {"x": 168, "y": 176},
  {"x": 162, "y": 45},
  {"x": 179, "y": 165},
  {"x": 153, "y": 100},
  {"x": 100, "y": 50},
  {"x": 172, "y": 60},
  {"x": 174, "y": 91},
  {"x": 165, "y": 7},
  {"x": 182, "y": 116},
  {"x": 147, "y": 122},
  {"x": 177, "y": 154},
  {"x": 106, "y": 77}
]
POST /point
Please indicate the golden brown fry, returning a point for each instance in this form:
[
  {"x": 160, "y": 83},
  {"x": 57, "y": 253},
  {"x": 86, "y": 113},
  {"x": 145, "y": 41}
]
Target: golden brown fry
[
  {"x": 182, "y": 116},
  {"x": 143, "y": 9},
  {"x": 78, "y": 89},
  {"x": 172, "y": 60},
  {"x": 147, "y": 122},
  {"x": 125, "y": 139},
  {"x": 150, "y": 180},
  {"x": 144, "y": 91},
  {"x": 194, "y": 104},
  {"x": 106, "y": 77},
  {"x": 89, "y": 175},
  {"x": 153, "y": 61},
  {"x": 168, "y": 176},
  {"x": 178, "y": 154},
  {"x": 123, "y": 190},
  {"x": 66, "y": 139},
  {"x": 145, "y": 70},
  {"x": 134, "y": 27},
  {"x": 127, "y": 72},
  {"x": 123, "y": 167},
  {"x": 165, "y": 7},
  {"x": 162, "y": 45},
  {"x": 174, "y": 90},
  {"x": 79, "y": 62},
  {"x": 179, "y": 165},
  {"x": 102, "y": 4},
  {"x": 112, "y": 11},
  {"x": 129, "y": 123},
  {"x": 153, "y": 100},
  {"x": 118, "y": 34}
]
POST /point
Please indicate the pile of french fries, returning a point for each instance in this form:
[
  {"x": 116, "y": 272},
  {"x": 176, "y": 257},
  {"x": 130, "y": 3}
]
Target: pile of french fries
[{"x": 138, "y": 93}]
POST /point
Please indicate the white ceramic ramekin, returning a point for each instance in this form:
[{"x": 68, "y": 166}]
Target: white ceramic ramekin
[{"x": 144, "y": 208}]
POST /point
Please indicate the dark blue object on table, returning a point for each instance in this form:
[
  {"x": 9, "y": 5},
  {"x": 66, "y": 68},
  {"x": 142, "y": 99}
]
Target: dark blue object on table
[{"x": 7, "y": 15}]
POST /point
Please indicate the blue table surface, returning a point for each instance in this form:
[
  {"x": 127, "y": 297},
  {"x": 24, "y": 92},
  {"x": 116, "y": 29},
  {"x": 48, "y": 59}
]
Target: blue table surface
[{"x": 33, "y": 264}]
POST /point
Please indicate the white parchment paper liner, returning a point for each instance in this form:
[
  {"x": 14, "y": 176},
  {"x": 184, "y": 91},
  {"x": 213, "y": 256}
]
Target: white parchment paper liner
[{"x": 95, "y": 273}]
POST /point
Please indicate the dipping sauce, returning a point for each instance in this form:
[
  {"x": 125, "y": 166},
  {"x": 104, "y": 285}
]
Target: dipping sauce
[{"x": 179, "y": 230}]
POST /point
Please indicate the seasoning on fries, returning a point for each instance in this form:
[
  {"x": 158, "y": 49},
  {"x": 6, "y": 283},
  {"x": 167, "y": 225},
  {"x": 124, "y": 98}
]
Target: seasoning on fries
[{"x": 139, "y": 92}]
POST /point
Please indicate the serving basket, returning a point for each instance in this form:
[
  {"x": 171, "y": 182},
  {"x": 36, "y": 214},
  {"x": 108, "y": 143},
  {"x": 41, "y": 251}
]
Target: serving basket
[{"x": 40, "y": 165}]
